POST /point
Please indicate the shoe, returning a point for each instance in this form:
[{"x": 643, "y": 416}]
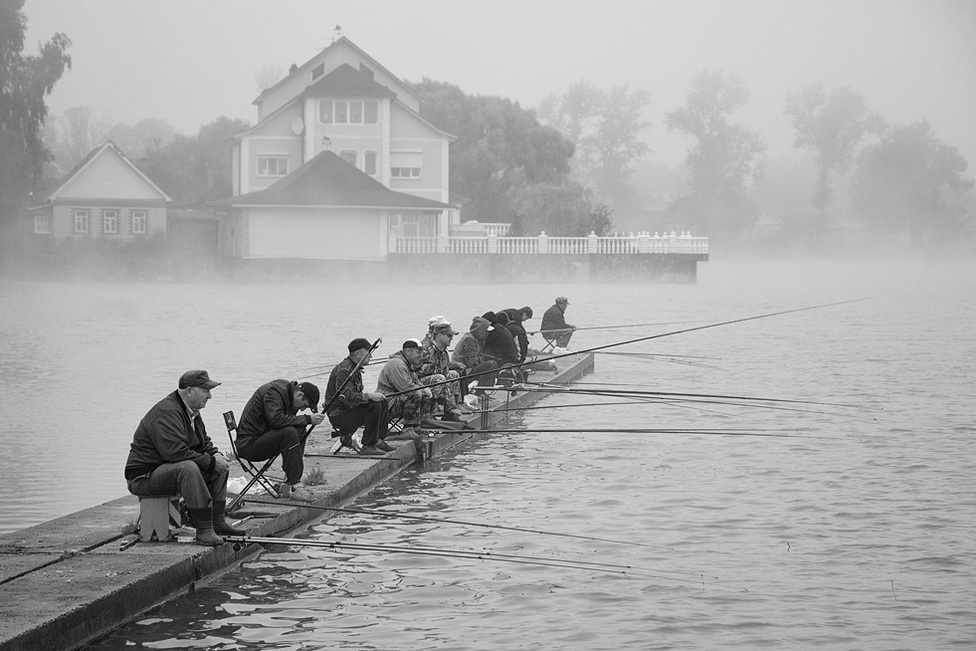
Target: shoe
[
  {"x": 371, "y": 450},
  {"x": 302, "y": 494},
  {"x": 220, "y": 524},
  {"x": 453, "y": 416},
  {"x": 202, "y": 521},
  {"x": 409, "y": 433},
  {"x": 386, "y": 447}
]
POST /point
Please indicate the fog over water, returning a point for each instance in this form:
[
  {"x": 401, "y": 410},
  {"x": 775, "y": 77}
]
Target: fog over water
[{"x": 859, "y": 536}]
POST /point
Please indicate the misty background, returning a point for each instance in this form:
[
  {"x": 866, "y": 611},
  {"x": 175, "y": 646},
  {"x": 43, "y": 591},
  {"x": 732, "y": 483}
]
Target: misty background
[{"x": 169, "y": 80}]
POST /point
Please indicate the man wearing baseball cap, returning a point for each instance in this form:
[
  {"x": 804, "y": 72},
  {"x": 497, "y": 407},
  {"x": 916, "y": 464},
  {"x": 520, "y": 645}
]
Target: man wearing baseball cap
[
  {"x": 351, "y": 408},
  {"x": 271, "y": 425},
  {"x": 406, "y": 397},
  {"x": 554, "y": 327},
  {"x": 436, "y": 368},
  {"x": 172, "y": 454}
]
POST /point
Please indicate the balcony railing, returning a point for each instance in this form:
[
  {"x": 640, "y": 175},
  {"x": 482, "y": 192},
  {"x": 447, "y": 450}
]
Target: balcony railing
[{"x": 641, "y": 243}]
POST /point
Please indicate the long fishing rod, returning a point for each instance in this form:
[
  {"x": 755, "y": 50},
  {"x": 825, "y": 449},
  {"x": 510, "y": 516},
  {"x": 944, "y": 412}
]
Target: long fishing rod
[
  {"x": 608, "y": 327},
  {"x": 647, "y": 338},
  {"x": 645, "y": 430},
  {"x": 483, "y": 555},
  {"x": 632, "y": 401},
  {"x": 418, "y": 518}
]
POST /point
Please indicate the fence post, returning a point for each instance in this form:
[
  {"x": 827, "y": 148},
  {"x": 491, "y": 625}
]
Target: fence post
[
  {"x": 644, "y": 242},
  {"x": 543, "y": 242},
  {"x": 492, "y": 243},
  {"x": 591, "y": 242},
  {"x": 441, "y": 246}
]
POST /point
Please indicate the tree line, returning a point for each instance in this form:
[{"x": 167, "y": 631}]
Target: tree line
[{"x": 565, "y": 168}]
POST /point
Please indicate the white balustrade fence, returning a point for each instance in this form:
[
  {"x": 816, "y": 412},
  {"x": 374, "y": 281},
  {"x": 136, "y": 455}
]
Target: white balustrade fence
[{"x": 633, "y": 244}]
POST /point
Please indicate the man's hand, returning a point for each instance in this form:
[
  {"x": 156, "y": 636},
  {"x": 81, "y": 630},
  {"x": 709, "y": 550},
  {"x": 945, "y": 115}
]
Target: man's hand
[
  {"x": 376, "y": 397},
  {"x": 221, "y": 465},
  {"x": 317, "y": 418},
  {"x": 426, "y": 392}
]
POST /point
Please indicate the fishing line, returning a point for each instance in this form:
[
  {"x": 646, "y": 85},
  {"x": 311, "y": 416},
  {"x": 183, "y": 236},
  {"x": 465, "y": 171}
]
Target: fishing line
[{"x": 608, "y": 327}]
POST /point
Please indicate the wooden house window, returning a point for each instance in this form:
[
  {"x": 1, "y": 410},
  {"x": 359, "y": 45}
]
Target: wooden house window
[
  {"x": 343, "y": 111},
  {"x": 272, "y": 166},
  {"x": 42, "y": 224},
  {"x": 110, "y": 222},
  {"x": 140, "y": 222},
  {"x": 80, "y": 220}
]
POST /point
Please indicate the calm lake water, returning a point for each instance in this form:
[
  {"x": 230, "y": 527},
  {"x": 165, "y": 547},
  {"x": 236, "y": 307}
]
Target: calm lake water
[{"x": 856, "y": 531}]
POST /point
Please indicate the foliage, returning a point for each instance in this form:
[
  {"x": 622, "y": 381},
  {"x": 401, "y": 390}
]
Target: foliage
[
  {"x": 25, "y": 82},
  {"x": 833, "y": 126},
  {"x": 725, "y": 156},
  {"x": 500, "y": 147},
  {"x": 561, "y": 210},
  {"x": 911, "y": 181},
  {"x": 606, "y": 127},
  {"x": 193, "y": 169}
]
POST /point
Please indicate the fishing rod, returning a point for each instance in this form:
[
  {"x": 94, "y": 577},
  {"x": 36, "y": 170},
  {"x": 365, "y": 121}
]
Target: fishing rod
[
  {"x": 646, "y": 430},
  {"x": 483, "y": 555},
  {"x": 608, "y": 327},
  {"x": 418, "y": 518},
  {"x": 646, "y": 338},
  {"x": 632, "y": 401}
]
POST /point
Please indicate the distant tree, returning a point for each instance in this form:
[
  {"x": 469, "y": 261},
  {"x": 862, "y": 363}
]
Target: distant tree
[
  {"x": 833, "y": 126},
  {"x": 561, "y": 210},
  {"x": 500, "y": 147},
  {"x": 75, "y": 133},
  {"x": 145, "y": 137},
  {"x": 911, "y": 181},
  {"x": 725, "y": 156},
  {"x": 267, "y": 76},
  {"x": 193, "y": 169},
  {"x": 606, "y": 128},
  {"x": 25, "y": 82}
]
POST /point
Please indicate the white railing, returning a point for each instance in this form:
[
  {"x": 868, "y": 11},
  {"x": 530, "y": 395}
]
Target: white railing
[{"x": 633, "y": 244}]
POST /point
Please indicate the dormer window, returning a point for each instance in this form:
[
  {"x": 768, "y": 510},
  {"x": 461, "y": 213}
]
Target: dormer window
[
  {"x": 347, "y": 111},
  {"x": 318, "y": 71}
]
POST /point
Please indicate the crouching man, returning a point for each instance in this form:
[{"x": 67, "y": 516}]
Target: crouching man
[{"x": 172, "y": 454}]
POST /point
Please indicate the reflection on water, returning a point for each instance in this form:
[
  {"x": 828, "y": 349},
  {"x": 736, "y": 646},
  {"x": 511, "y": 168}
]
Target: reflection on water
[{"x": 855, "y": 532}]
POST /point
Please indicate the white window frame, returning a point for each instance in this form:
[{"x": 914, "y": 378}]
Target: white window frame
[
  {"x": 264, "y": 166},
  {"x": 374, "y": 168},
  {"x": 110, "y": 216},
  {"x": 81, "y": 217},
  {"x": 405, "y": 172},
  {"x": 140, "y": 222},
  {"x": 348, "y": 106},
  {"x": 42, "y": 224}
]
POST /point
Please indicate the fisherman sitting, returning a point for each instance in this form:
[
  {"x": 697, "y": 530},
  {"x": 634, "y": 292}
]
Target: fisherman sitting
[
  {"x": 469, "y": 353},
  {"x": 271, "y": 425},
  {"x": 407, "y": 398},
  {"x": 554, "y": 327},
  {"x": 437, "y": 370},
  {"x": 516, "y": 319},
  {"x": 350, "y": 408},
  {"x": 172, "y": 454}
]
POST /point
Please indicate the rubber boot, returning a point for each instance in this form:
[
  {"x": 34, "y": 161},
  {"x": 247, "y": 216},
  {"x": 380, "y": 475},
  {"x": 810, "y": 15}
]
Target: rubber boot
[
  {"x": 202, "y": 521},
  {"x": 220, "y": 525}
]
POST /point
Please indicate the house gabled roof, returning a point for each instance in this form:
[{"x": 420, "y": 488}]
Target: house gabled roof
[
  {"x": 308, "y": 65},
  {"x": 329, "y": 181},
  {"x": 346, "y": 81},
  {"x": 111, "y": 148}
]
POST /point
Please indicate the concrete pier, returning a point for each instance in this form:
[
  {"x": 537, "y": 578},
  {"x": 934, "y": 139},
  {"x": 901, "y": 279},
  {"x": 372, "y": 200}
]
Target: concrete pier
[{"x": 67, "y": 582}]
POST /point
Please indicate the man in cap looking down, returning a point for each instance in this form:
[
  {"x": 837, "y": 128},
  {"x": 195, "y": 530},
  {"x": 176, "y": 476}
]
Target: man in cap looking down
[
  {"x": 351, "y": 408},
  {"x": 437, "y": 369},
  {"x": 271, "y": 425},
  {"x": 172, "y": 454}
]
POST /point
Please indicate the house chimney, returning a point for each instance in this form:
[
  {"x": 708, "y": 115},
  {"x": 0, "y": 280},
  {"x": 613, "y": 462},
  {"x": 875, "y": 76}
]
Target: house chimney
[{"x": 336, "y": 33}]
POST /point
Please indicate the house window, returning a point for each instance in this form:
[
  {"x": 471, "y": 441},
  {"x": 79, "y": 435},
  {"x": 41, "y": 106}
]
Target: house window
[
  {"x": 110, "y": 222},
  {"x": 79, "y": 222},
  {"x": 413, "y": 224},
  {"x": 42, "y": 224},
  {"x": 317, "y": 71},
  {"x": 140, "y": 222},
  {"x": 406, "y": 164},
  {"x": 342, "y": 111},
  {"x": 272, "y": 166},
  {"x": 405, "y": 172},
  {"x": 369, "y": 162},
  {"x": 350, "y": 156}
]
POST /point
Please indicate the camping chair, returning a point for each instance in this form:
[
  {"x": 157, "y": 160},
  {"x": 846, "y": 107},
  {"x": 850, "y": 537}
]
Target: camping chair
[{"x": 257, "y": 475}]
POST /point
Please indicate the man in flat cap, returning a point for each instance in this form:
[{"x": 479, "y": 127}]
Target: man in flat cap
[
  {"x": 554, "y": 327},
  {"x": 406, "y": 396},
  {"x": 271, "y": 425},
  {"x": 172, "y": 454},
  {"x": 349, "y": 407}
]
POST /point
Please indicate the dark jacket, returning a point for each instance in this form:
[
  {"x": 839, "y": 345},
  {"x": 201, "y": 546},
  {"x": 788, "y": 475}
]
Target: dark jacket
[
  {"x": 521, "y": 337},
  {"x": 272, "y": 407},
  {"x": 552, "y": 320},
  {"x": 500, "y": 345},
  {"x": 351, "y": 394},
  {"x": 166, "y": 435}
]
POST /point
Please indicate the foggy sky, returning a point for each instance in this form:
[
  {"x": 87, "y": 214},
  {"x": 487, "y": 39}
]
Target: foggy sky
[{"x": 188, "y": 62}]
